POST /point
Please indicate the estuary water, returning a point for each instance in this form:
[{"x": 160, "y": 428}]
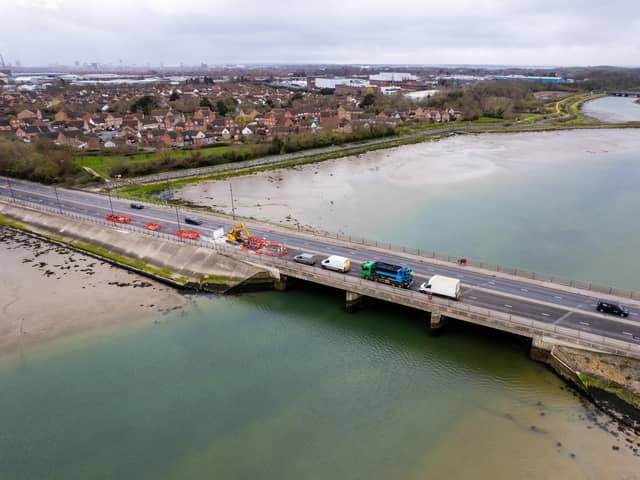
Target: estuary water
[
  {"x": 288, "y": 386},
  {"x": 613, "y": 109}
]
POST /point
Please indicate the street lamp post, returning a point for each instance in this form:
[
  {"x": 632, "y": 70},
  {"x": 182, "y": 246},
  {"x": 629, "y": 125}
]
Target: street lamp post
[
  {"x": 57, "y": 199},
  {"x": 178, "y": 218},
  {"x": 110, "y": 203},
  {"x": 233, "y": 206}
]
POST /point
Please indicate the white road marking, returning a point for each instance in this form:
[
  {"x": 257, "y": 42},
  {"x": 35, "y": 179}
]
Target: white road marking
[
  {"x": 492, "y": 282},
  {"x": 628, "y": 333},
  {"x": 634, "y": 313},
  {"x": 508, "y": 306},
  {"x": 557, "y": 296},
  {"x": 545, "y": 314},
  {"x": 584, "y": 323},
  {"x": 524, "y": 289},
  {"x": 473, "y": 298}
]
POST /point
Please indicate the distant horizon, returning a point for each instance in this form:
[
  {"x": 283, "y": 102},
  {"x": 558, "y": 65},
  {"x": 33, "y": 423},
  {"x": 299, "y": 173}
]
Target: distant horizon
[
  {"x": 152, "y": 33},
  {"x": 364, "y": 66}
]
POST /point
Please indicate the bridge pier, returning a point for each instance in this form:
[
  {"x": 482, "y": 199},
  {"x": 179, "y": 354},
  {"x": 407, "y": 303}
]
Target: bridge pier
[
  {"x": 353, "y": 301},
  {"x": 282, "y": 283},
  {"x": 436, "y": 322}
]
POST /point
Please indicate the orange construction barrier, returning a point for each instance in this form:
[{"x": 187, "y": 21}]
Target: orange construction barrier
[
  {"x": 188, "y": 234},
  {"x": 152, "y": 226},
  {"x": 117, "y": 218}
]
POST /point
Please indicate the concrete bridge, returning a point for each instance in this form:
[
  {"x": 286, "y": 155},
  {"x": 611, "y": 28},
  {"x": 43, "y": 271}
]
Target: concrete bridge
[{"x": 545, "y": 309}]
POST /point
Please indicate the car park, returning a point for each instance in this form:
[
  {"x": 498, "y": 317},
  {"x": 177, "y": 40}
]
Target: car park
[
  {"x": 604, "y": 306},
  {"x": 193, "y": 220},
  {"x": 306, "y": 258},
  {"x": 137, "y": 205}
]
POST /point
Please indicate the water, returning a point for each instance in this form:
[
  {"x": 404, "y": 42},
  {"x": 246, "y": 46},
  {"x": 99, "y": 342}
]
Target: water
[
  {"x": 613, "y": 109},
  {"x": 288, "y": 386},
  {"x": 560, "y": 203}
]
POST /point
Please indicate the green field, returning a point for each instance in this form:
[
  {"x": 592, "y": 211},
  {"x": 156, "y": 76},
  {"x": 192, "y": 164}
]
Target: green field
[{"x": 102, "y": 163}]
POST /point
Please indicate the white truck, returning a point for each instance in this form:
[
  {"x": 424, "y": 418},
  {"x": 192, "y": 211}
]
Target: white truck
[
  {"x": 336, "y": 263},
  {"x": 441, "y": 285}
]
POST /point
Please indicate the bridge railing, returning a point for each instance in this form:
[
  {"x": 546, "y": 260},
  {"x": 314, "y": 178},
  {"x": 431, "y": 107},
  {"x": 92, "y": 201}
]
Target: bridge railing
[{"x": 484, "y": 316}]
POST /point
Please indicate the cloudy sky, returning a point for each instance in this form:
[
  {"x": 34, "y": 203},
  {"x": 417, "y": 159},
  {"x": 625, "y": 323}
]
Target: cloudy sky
[{"x": 515, "y": 32}]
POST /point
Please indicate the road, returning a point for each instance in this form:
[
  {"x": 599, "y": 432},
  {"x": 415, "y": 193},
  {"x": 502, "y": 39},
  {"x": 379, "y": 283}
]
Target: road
[{"x": 549, "y": 304}]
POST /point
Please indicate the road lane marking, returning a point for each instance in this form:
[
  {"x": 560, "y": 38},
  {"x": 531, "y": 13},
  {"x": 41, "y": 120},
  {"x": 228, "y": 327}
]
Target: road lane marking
[
  {"x": 473, "y": 298},
  {"x": 586, "y": 324},
  {"x": 508, "y": 306},
  {"x": 557, "y": 296},
  {"x": 564, "y": 316},
  {"x": 628, "y": 333},
  {"x": 634, "y": 314},
  {"x": 524, "y": 289},
  {"x": 544, "y": 314}
]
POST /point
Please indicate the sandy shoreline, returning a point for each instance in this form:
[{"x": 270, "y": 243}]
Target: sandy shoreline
[{"x": 47, "y": 291}]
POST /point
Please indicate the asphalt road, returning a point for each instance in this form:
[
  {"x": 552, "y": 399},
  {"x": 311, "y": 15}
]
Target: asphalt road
[{"x": 518, "y": 297}]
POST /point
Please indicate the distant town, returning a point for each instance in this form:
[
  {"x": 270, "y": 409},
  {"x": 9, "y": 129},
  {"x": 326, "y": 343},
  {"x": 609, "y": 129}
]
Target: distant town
[{"x": 92, "y": 110}]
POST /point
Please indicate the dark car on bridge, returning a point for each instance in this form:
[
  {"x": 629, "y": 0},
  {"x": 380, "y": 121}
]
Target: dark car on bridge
[
  {"x": 137, "y": 205},
  {"x": 612, "y": 308},
  {"x": 193, "y": 220}
]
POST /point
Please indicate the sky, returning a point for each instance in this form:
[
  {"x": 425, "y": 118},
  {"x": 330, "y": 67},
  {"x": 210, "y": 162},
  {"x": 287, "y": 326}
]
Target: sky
[{"x": 163, "y": 32}]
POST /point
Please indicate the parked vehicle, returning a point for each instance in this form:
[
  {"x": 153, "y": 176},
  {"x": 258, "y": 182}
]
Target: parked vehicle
[
  {"x": 306, "y": 258},
  {"x": 137, "y": 205},
  {"x": 336, "y": 263},
  {"x": 441, "y": 285},
  {"x": 605, "y": 306},
  {"x": 387, "y": 273},
  {"x": 193, "y": 220}
]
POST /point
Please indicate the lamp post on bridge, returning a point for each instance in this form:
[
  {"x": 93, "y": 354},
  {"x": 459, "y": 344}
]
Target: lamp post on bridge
[
  {"x": 110, "y": 203},
  {"x": 178, "y": 217},
  {"x": 233, "y": 206},
  {"x": 55, "y": 190}
]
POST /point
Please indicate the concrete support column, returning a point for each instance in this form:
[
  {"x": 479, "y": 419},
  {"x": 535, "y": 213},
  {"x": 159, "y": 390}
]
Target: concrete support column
[
  {"x": 353, "y": 301},
  {"x": 436, "y": 322},
  {"x": 281, "y": 284}
]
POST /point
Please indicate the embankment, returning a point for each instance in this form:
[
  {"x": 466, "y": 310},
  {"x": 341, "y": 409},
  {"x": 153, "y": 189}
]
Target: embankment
[
  {"x": 611, "y": 382},
  {"x": 180, "y": 264}
]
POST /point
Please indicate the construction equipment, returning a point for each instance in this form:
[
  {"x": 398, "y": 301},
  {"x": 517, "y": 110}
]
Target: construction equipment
[{"x": 239, "y": 233}]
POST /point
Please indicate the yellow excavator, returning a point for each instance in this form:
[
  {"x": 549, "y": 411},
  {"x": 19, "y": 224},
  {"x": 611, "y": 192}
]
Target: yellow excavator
[{"x": 239, "y": 233}]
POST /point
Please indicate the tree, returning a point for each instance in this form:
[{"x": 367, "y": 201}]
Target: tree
[
  {"x": 221, "y": 108},
  {"x": 205, "y": 102},
  {"x": 368, "y": 100},
  {"x": 145, "y": 104},
  {"x": 174, "y": 96}
]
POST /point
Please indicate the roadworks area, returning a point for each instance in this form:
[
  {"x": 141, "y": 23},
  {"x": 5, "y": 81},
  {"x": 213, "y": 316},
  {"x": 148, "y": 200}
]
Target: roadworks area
[{"x": 180, "y": 265}]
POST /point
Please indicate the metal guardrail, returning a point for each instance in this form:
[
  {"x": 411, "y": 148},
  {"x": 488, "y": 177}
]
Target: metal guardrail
[{"x": 482, "y": 316}]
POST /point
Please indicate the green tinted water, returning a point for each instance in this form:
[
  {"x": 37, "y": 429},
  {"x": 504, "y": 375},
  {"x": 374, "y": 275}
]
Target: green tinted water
[{"x": 289, "y": 386}]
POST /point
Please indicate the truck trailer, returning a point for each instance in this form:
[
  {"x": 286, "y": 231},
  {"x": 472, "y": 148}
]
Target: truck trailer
[
  {"x": 441, "y": 285},
  {"x": 387, "y": 273}
]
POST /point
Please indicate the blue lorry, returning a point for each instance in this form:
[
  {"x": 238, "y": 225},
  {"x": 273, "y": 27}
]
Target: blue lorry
[{"x": 387, "y": 273}]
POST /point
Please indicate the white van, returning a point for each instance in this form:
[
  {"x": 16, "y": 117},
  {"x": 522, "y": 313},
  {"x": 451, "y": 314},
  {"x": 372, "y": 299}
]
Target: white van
[
  {"x": 336, "y": 263},
  {"x": 441, "y": 285}
]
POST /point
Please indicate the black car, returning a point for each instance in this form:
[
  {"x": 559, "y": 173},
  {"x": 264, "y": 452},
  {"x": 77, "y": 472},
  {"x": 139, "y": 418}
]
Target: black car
[
  {"x": 612, "y": 308},
  {"x": 193, "y": 220},
  {"x": 137, "y": 206}
]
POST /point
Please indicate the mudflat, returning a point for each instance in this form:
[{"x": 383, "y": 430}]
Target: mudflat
[{"x": 48, "y": 291}]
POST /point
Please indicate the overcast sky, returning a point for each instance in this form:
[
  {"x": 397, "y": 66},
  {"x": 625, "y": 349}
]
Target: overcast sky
[{"x": 514, "y": 32}]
